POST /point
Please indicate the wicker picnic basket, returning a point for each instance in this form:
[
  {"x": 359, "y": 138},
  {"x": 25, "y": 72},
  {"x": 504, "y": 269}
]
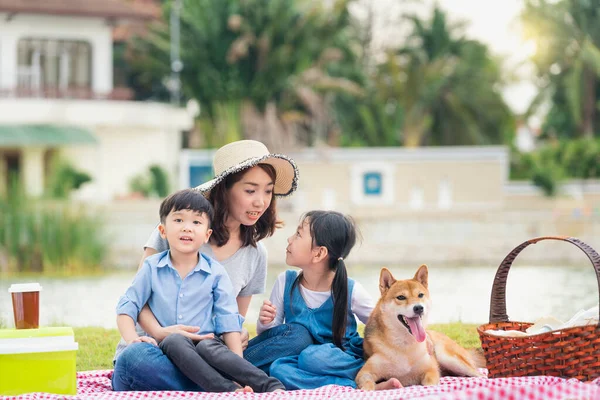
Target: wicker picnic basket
[{"x": 567, "y": 353}]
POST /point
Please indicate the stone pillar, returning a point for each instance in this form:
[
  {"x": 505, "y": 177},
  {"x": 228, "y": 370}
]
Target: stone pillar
[
  {"x": 102, "y": 65},
  {"x": 33, "y": 170},
  {"x": 8, "y": 62}
]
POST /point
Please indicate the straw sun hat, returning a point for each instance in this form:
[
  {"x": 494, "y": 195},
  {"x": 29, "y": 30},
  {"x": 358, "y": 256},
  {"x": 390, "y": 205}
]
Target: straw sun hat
[{"x": 243, "y": 154}]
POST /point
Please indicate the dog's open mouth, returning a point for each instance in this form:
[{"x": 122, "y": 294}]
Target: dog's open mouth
[
  {"x": 414, "y": 326},
  {"x": 402, "y": 319}
]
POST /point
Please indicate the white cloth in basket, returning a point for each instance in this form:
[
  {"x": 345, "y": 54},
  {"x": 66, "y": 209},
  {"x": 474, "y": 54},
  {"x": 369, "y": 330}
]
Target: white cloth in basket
[{"x": 549, "y": 324}]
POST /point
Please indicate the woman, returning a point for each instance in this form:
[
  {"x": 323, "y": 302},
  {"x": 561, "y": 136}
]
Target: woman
[{"x": 247, "y": 177}]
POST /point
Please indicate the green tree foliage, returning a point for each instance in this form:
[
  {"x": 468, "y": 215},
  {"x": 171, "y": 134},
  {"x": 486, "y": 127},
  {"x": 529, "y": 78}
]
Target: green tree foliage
[
  {"x": 259, "y": 69},
  {"x": 557, "y": 160},
  {"x": 370, "y": 121},
  {"x": 301, "y": 72},
  {"x": 567, "y": 58},
  {"x": 447, "y": 86}
]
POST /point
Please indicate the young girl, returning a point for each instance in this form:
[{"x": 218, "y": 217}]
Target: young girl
[{"x": 324, "y": 300}]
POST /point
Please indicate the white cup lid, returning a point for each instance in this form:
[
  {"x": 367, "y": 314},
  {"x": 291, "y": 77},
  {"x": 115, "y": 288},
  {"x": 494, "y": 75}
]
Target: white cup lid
[{"x": 24, "y": 287}]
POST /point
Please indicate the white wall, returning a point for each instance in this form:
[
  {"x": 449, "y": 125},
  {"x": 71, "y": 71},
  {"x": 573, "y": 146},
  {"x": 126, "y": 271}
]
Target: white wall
[
  {"x": 89, "y": 113},
  {"x": 131, "y": 137},
  {"x": 436, "y": 237},
  {"x": 122, "y": 153},
  {"x": 413, "y": 180},
  {"x": 95, "y": 31}
]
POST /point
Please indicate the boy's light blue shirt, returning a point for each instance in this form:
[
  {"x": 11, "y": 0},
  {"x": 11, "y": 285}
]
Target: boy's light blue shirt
[{"x": 203, "y": 298}]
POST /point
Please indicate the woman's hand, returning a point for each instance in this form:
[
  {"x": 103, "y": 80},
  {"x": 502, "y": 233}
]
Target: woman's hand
[
  {"x": 145, "y": 339},
  {"x": 245, "y": 336},
  {"x": 185, "y": 330},
  {"x": 267, "y": 313}
]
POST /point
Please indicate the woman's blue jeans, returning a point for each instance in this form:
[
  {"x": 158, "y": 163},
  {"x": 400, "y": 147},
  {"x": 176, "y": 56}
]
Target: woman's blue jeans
[{"x": 144, "y": 367}]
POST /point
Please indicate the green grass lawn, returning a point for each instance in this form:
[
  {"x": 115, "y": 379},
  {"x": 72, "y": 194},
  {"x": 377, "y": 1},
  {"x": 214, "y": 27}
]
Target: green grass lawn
[{"x": 97, "y": 345}]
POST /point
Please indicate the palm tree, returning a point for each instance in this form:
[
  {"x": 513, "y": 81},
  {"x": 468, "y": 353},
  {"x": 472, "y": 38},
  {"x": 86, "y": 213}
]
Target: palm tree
[
  {"x": 263, "y": 70},
  {"x": 567, "y": 34},
  {"x": 446, "y": 85}
]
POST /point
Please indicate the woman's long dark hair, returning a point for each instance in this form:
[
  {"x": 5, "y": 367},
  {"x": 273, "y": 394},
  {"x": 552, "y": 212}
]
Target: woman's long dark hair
[
  {"x": 337, "y": 233},
  {"x": 250, "y": 235}
]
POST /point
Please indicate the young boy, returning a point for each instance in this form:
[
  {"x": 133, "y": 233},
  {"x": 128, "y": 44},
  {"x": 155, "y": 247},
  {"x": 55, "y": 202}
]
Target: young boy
[{"x": 184, "y": 286}]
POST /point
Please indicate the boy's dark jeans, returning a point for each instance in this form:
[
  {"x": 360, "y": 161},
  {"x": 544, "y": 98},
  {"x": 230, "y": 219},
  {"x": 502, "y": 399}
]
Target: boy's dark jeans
[{"x": 212, "y": 366}]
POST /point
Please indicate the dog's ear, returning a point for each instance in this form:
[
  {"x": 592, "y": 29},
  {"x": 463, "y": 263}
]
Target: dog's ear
[
  {"x": 386, "y": 280},
  {"x": 422, "y": 275}
]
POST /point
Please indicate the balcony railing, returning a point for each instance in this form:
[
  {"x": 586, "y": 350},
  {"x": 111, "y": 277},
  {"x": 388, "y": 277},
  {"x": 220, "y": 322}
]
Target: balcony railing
[
  {"x": 83, "y": 93},
  {"x": 30, "y": 85}
]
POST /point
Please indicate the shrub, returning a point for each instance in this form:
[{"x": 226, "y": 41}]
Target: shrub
[
  {"x": 154, "y": 182},
  {"x": 64, "y": 179},
  {"x": 557, "y": 160},
  {"x": 160, "y": 181},
  {"x": 48, "y": 237}
]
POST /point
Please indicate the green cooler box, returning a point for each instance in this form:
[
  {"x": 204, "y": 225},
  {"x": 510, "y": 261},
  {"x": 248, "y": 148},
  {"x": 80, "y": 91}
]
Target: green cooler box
[{"x": 37, "y": 360}]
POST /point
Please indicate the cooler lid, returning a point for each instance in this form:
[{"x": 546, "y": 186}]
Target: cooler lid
[
  {"x": 43, "y": 340},
  {"x": 36, "y": 333}
]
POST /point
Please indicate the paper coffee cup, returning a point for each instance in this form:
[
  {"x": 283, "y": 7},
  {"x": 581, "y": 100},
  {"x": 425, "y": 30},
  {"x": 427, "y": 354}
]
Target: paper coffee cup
[{"x": 26, "y": 304}]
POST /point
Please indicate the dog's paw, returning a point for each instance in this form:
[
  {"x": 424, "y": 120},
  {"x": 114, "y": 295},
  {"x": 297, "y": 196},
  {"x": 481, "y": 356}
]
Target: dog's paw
[
  {"x": 431, "y": 378},
  {"x": 370, "y": 385}
]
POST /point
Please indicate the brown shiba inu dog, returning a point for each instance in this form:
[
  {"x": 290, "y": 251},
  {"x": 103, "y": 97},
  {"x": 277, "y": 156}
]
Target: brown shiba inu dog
[{"x": 397, "y": 345}]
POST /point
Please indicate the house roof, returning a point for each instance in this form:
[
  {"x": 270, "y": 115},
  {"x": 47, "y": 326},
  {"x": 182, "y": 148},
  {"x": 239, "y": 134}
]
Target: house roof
[
  {"x": 124, "y": 31},
  {"x": 84, "y": 8}
]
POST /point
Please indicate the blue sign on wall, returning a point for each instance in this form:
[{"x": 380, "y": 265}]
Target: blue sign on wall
[
  {"x": 200, "y": 174},
  {"x": 372, "y": 183}
]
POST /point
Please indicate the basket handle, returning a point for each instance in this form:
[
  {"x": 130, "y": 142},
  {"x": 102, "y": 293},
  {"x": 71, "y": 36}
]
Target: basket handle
[{"x": 498, "y": 300}]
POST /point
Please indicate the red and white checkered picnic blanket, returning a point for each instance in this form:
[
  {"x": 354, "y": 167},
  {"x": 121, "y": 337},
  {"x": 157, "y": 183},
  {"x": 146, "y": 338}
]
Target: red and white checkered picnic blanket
[{"x": 96, "y": 385}]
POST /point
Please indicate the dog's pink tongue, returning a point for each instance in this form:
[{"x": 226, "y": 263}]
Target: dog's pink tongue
[{"x": 417, "y": 328}]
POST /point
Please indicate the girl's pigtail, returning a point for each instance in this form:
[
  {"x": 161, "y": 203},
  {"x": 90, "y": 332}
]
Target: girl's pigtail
[{"x": 339, "y": 292}]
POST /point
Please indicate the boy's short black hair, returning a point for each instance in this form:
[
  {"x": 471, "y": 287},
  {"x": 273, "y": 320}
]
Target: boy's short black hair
[{"x": 186, "y": 199}]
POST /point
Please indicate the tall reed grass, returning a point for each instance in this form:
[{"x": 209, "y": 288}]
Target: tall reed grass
[{"x": 43, "y": 236}]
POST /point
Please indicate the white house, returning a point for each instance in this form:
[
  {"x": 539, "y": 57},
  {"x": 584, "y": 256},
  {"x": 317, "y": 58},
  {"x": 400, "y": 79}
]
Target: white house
[{"x": 57, "y": 96}]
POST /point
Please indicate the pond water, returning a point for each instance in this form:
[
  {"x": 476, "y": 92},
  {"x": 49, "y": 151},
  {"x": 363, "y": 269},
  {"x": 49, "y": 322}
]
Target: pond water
[{"x": 458, "y": 293}]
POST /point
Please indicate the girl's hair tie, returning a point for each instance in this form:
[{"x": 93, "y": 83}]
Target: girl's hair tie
[{"x": 340, "y": 258}]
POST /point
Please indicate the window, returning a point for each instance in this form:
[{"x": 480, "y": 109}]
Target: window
[
  {"x": 53, "y": 65},
  {"x": 372, "y": 183},
  {"x": 200, "y": 174}
]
